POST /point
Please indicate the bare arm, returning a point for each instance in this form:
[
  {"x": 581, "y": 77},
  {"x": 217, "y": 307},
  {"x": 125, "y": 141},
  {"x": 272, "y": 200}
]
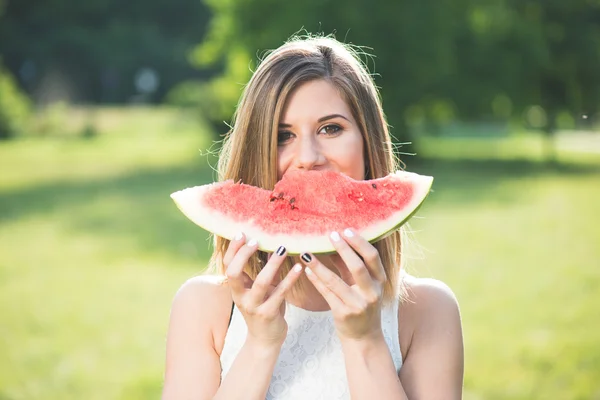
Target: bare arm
[
  {"x": 193, "y": 366},
  {"x": 433, "y": 368},
  {"x": 250, "y": 374},
  {"x": 192, "y": 369},
  {"x": 199, "y": 319},
  {"x": 434, "y": 365},
  {"x": 355, "y": 298},
  {"x": 371, "y": 371}
]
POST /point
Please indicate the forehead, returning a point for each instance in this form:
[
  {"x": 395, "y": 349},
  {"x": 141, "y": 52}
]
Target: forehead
[{"x": 312, "y": 100}]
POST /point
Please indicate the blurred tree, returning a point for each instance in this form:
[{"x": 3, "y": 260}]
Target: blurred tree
[
  {"x": 15, "y": 107},
  {"x": 435, "y": 60},
  {"x": 537, "y": 60},
  {"x": 92, "y": 50},
  {"x": 563, "y": 77},
  {"x": 412, "y": 43}
]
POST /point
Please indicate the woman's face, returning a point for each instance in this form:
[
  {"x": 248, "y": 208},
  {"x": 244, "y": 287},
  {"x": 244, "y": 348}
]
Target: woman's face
[{"x": 317, "y": 132}]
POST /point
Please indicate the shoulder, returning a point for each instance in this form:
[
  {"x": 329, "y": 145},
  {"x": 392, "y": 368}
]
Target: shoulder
[
  {"x": 430, "y": 331},
  {"x": 428, "y": 310},
  {"x": 199, "y": 317},
  {"x": 202, "y": 291},
  {"x": 429, "y": 297},
  {"x": 203, "y": 286},
  {"x": 203, "y": 303}
]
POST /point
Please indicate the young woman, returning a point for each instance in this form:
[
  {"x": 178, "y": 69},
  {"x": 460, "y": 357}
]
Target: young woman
[{"x": 348, "y": 325}]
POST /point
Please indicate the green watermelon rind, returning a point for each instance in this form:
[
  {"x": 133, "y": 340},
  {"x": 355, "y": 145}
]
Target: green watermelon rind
[{"x": 188, "y": 202}]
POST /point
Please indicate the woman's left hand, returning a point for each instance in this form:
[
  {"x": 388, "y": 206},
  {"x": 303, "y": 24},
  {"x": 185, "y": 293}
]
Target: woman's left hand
[{"x": 355, "y": 296}]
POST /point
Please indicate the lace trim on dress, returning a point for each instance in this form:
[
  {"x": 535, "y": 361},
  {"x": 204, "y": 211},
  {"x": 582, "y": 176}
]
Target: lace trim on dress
[{"x": 311, "y": 362}]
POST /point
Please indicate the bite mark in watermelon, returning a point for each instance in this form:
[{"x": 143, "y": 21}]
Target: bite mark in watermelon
[{"x": 305, "y": 207}]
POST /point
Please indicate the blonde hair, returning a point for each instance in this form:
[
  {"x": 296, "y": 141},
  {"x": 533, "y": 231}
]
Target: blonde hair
[{"x": 249, "y": 152}]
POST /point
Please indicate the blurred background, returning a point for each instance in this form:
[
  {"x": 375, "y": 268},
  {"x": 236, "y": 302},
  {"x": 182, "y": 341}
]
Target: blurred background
[{"x": 106, "y": 107}]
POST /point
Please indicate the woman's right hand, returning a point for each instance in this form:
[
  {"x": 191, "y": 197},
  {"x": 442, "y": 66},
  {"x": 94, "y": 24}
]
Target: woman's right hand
[{"x": 260, "y": 301}]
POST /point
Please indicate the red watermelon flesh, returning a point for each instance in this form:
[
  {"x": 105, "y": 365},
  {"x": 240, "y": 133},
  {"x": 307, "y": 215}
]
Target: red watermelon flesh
[{"x": 305, "y": 207}]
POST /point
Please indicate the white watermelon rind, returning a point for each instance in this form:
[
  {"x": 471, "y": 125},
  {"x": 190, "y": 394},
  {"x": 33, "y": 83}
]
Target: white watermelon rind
[{"x": 188, "y": 202}]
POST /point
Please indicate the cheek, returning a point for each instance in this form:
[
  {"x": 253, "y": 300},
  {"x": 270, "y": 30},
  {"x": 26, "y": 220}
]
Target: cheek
[
  {"x": 350, "y": 157},
  {"x": 283, "y": 162}
]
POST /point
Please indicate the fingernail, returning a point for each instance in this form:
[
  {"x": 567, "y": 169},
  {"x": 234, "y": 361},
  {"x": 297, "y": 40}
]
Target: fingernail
[
  {"x": 306, "y": 258},
  {"x": 280, "y": 251},
  {"x": 335, "y": 236},
  {"x": 297, "y": 268},
  {"x": 308, "y": 271},
  {"x": 238, "y": 236},
  {"x": 348, "y": 233},
  {"x": 252, "y": 243}
]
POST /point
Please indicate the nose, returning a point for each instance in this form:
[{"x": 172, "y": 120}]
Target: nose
[{"x": 308, "y": 153}]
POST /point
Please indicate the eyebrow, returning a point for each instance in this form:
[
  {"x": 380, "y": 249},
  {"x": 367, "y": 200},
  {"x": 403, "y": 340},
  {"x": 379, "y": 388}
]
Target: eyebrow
[{"x": 322, "y": 119}]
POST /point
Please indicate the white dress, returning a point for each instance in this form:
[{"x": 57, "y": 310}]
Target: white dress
[{"x": 311, "y": 363}]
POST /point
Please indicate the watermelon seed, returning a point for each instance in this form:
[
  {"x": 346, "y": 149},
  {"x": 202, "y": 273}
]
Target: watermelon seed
[
  {"x": 280, "y": 195},
  {"x": 293, "y": 199},
  {"x": 374, "y": 185}
]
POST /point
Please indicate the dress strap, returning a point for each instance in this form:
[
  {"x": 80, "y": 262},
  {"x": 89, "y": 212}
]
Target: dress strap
[{"x": 231, "y": 313}]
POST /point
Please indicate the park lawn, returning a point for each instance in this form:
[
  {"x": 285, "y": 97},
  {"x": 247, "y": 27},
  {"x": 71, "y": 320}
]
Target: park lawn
[
  {"x": 519, "y": 245},
  {"x": 92, "y": 251}
]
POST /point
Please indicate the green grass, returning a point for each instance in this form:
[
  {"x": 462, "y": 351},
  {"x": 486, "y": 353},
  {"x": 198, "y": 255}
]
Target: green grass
[
  {"x": 519, "y": 246},
  {"x": 569, "y": 147},
  {"x": 92, "y": 251}
]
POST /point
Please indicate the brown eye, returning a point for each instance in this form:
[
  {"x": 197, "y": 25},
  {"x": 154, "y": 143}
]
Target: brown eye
[
  {"x": 331, "y": 130},
  {"x": 283, "y": 137}
]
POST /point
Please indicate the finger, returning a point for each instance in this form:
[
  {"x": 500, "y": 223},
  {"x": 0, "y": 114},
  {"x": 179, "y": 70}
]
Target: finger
[
  {"x": 368, "y": 252},
  {"x": 353, "y": 262},
  {"x": 278, "y": 295},
  {"x": 342, "y": 268},
  {"x": 334, "y": 283},
  {"x": 265, "y": 278},
  {"x": 235, "y": 271},
  {"x": 234, "y": 245},
  {"x": 335, "y": 303}
]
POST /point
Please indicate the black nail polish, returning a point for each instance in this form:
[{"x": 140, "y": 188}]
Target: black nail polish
[
  {"x": 306, "y": 258},
  {"x": 280, "y": 251}
]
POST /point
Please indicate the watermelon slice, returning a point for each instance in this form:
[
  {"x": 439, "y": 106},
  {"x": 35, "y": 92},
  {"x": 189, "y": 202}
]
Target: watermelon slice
[{"x": 305, "y": 207}]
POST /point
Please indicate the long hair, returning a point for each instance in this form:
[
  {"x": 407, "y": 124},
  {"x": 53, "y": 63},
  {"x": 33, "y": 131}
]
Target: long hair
[{"x": 249, "y": 152}]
